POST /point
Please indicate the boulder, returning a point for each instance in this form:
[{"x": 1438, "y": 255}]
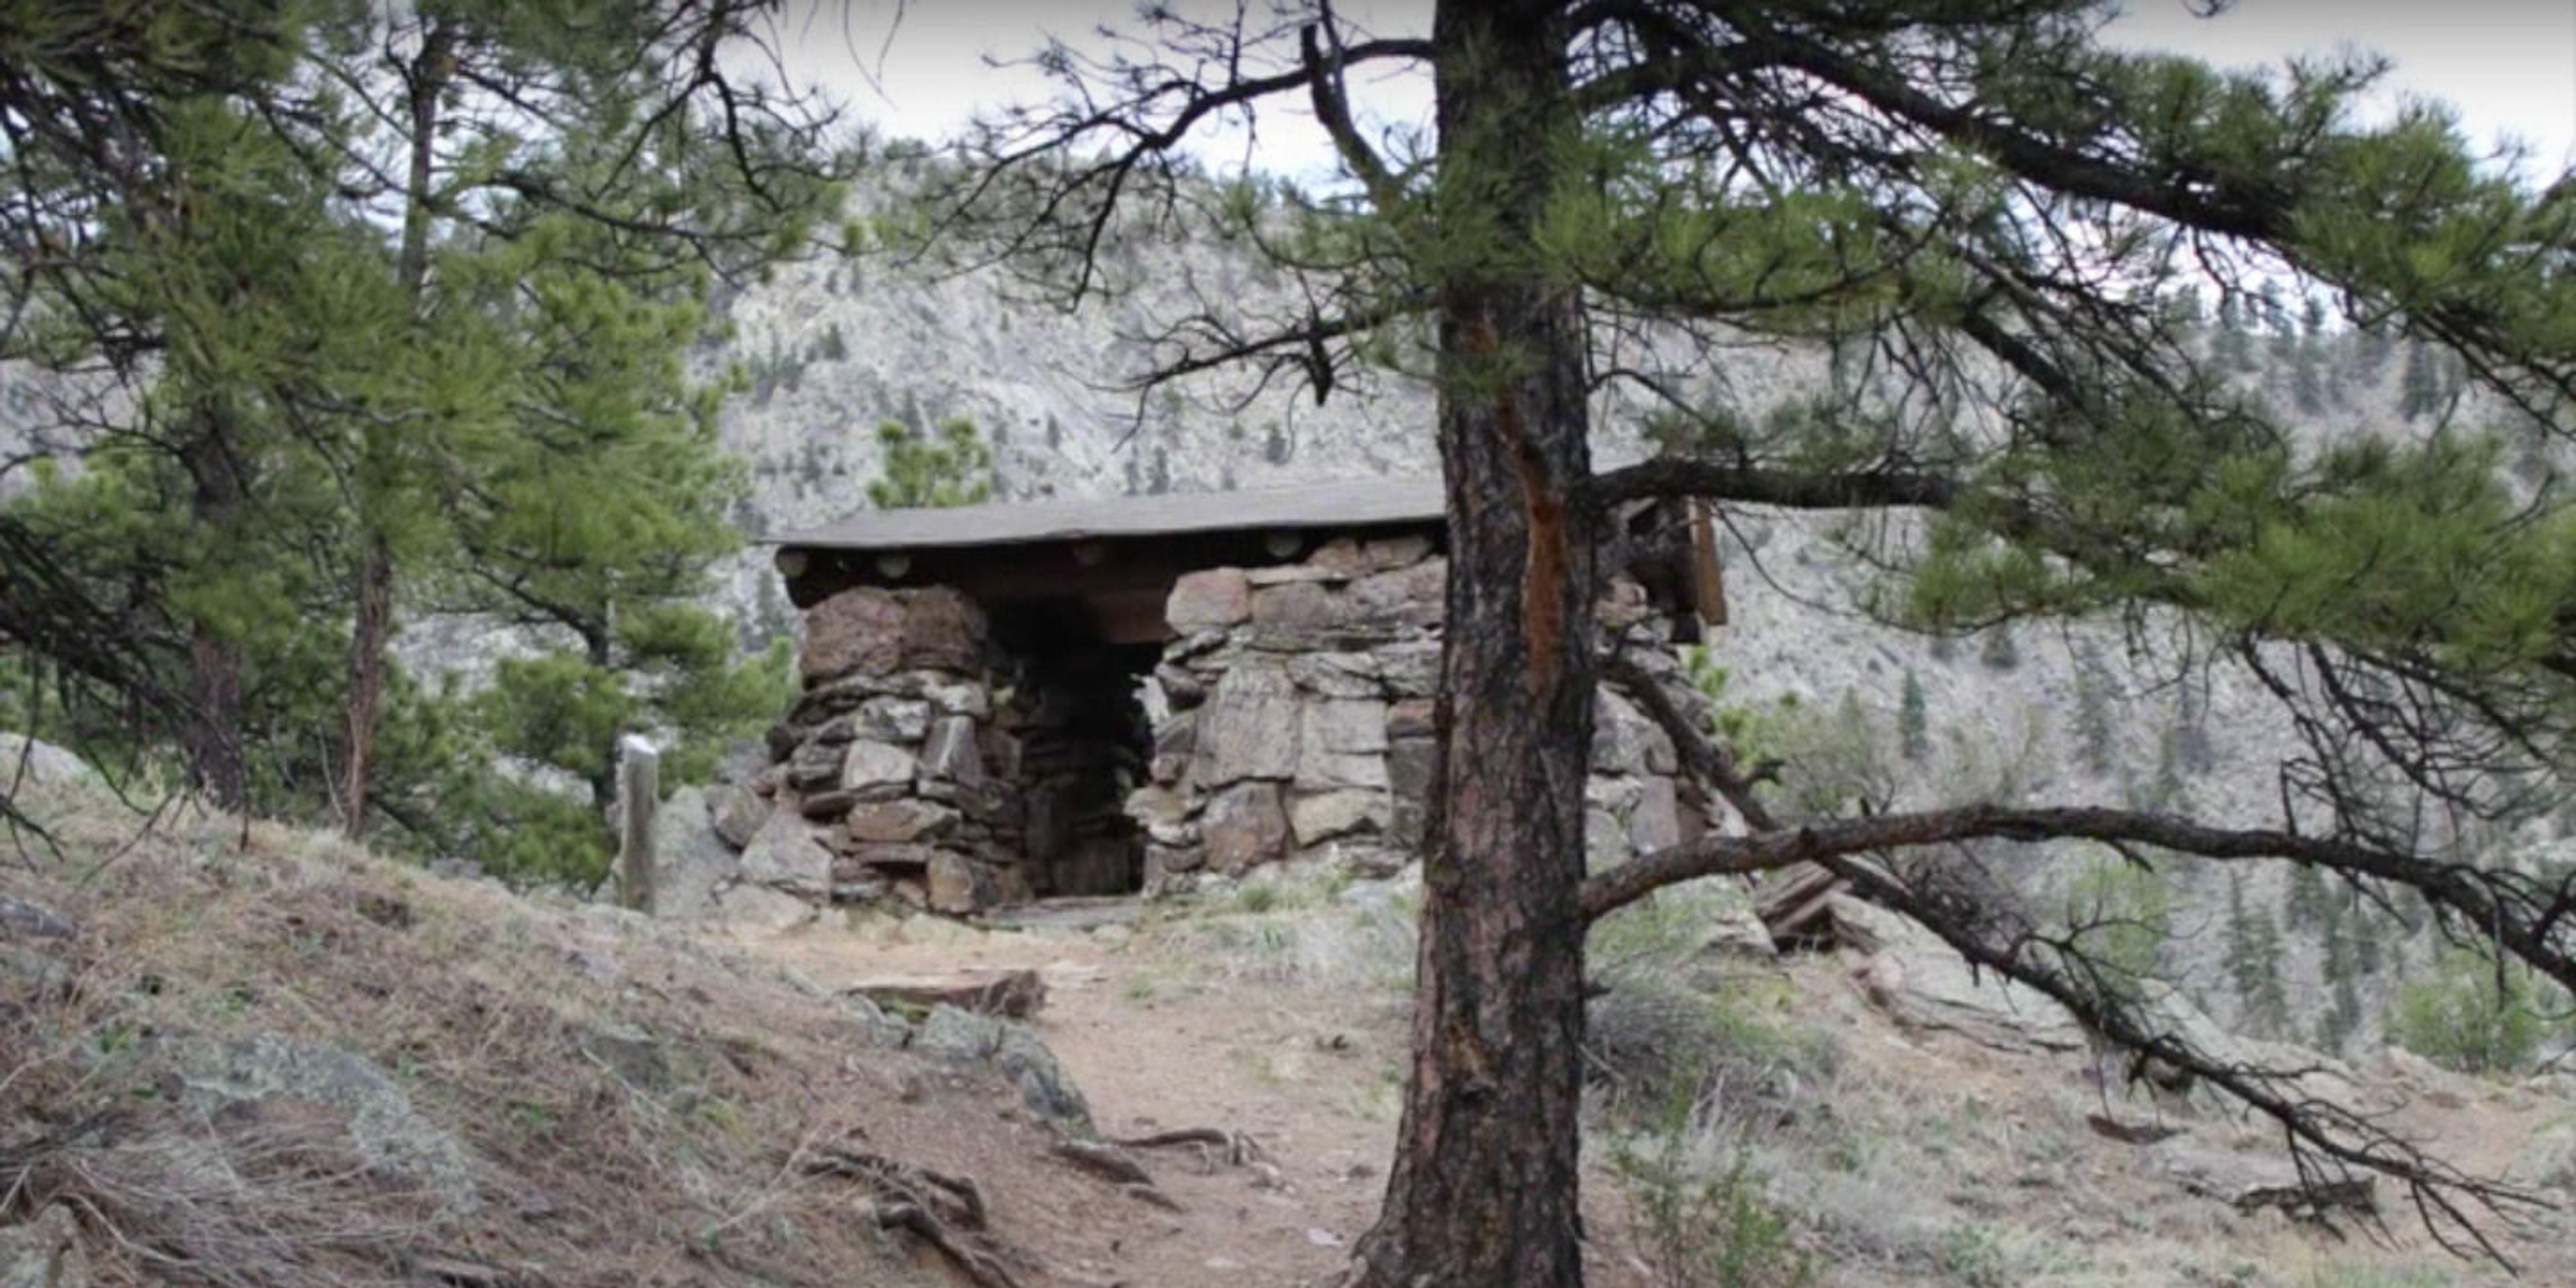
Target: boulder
[
  {"x": 1384, "y": 553},
  {"x": 814, "y": 766},
  {"x": 961, "y": 699},
  {"x": 1350, "y": 725},
  {"x": 1656, "y": 821},
  {"x": 1011, "y": 994},
  {"x": 1244, "y": 826},
  {"x": 1605, "y": 839},
  {"x": 1335, "y": 675},
  {"x": 828, "y": 806},
  {"x": 1618, "y": 735},
  {"x": 1408, "y": 773},
  {"x": 963, "y": 1037},
  {"x": 860, "y": 629},
  {"x": 951, "y": 753},
  {"x": 1208, "y": 600},
  {"x": 1163, "y": 813},
  {"x": 22, "y": 920},
  {"x": 902, "y": 819},
  {"x": 876, "y": 769},
  {"x": 1923, "y": 982},
  {"x": 1341, "y": 556},
  {"x": 942, "y": 630},
  {"x": 886, "y": 856},
  {"x": 26, "y": 761},
  {"x": 1174, "y": 740},
  {"x": 1248, "y": 728},
  {"x": 386, "y": 1131},
  {"x": 1001, "y": 751},
  {"x": 892, "y": 719},
  {"x": 789, "y": 853},
  {"x": 44, "y": 1253},
  {"x": 1301, "y": 608},
  {"x": 737, "y": 813},
  {"x": 764, "y": 908},
  {"x": 1322, "y": 816},
  {"x": 956, "y": 884},
  {"x": 1411, "y": 718},
  {"x": 690, "y": 859},
  {"x": 1410, "y": 669},
  {"x": 1415, "y": 595}
]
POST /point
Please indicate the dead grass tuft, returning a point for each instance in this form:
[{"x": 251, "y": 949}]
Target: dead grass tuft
[{"x": 270, "y": 1058}]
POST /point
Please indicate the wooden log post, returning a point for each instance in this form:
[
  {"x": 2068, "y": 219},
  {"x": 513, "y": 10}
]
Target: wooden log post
[{"x": 638, "y": 791}]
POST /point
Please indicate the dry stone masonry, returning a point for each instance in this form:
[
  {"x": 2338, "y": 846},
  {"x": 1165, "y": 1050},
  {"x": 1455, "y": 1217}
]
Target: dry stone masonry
[{"x": 1288, "y": 717}]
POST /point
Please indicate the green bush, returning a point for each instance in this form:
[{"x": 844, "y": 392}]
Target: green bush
[
  {"x": 2465, "y": 1015},
  {"x": 1701, "y": 1228},
  {"x": 2125, "y": 915}
]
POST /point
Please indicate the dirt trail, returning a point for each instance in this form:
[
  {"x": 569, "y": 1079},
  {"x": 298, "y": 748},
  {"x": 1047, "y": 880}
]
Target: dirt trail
[
  {"x": 1312, "y": 1075},
  {"x": 1284, "y": 1066}
]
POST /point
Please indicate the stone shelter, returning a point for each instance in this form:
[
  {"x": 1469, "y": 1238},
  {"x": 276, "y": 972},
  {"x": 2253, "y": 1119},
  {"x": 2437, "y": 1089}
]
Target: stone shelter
[{"x": 1019, "y": 701}]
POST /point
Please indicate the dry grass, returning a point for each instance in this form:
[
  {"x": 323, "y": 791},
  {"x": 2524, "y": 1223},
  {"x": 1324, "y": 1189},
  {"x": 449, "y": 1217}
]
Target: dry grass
[{"x": 622, "y": 1106}]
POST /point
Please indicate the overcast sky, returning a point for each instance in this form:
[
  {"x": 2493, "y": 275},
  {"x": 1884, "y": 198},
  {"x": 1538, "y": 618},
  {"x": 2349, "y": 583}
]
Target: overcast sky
[{"x": 2508, "y": 66}]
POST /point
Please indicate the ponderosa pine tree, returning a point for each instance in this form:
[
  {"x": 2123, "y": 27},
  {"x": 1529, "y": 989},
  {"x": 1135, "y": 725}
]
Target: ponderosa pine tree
[
  {"x": 475, "y": 241},
  {"x": 1996, "y": 205}
]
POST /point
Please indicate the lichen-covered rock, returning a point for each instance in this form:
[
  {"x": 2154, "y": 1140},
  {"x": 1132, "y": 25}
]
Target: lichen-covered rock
[
  {"x": 1410, "y": 669},
  {"x": 1209, "y": 600},
  {"x": 1336, "y": 675},
  {"x": 1248, "y": 728},
  {"x": 1656, "y": 822},
  {"x": 44, "y": 1253},
  {"x": 1413, "y": 595},
  {"x": 26, "y": 761},
  {"x": 690, "y": 859},
  {"x": 963, "y": 1037},
  {"x": 737, "y": 813},
  {"x": 951, "y": 754},
  {"x": 888, "y": 718},
  {"x": 1244, "y": 825},
  {"x": 876, "y": 769},
  {"x": 789, "y": 853},
  {"x": 392, "y": 1136},
  {"x": 1323, "y": 816}
]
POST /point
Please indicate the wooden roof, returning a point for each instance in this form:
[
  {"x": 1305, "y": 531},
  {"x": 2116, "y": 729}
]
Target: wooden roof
[{"x": 1354, "y": 504}]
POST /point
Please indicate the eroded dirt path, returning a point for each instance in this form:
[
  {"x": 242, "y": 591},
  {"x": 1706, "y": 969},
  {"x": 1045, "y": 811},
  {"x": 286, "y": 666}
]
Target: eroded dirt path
[{"x": 1309, "y": 1076}]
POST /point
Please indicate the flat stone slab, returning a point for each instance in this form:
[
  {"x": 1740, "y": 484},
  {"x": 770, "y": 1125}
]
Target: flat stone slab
[
  {"x": 1012, "y": 994},
  {"x": 1068, "y": 914}
]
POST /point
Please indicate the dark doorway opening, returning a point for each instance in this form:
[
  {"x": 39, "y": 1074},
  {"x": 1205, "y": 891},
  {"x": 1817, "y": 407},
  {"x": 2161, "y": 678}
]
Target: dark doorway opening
[{"x": 1075, "y": 707}]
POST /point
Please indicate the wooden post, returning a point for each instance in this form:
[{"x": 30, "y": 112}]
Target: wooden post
[{"x": 638, "y": 790}]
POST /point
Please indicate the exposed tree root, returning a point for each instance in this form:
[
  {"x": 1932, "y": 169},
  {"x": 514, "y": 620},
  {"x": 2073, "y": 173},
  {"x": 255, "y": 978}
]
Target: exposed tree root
[
  {"x": 1238, "y": 1148},
  {"x": 931, "y": 1205}
]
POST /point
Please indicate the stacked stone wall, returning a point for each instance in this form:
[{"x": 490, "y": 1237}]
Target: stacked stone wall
[
  {"x": 1293, "y": 720},
  {"x": 891, "y": 777},
  {"x": 1290, "y": 719}
]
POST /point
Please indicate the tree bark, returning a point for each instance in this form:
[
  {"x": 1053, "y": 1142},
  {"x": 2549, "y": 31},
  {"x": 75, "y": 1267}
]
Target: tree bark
[
  {"x": 371, "y": 633},
  {"x": 1484, "y": 1187},
  {"x": 211, "y": 727}
]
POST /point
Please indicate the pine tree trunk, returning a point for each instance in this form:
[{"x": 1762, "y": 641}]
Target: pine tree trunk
[
  {"x": 211, "y": 729},
  {"x": 369, "y": 637},
  {"x": 1484, "y": 1186},
  {"x": 371, "y": 634}
]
